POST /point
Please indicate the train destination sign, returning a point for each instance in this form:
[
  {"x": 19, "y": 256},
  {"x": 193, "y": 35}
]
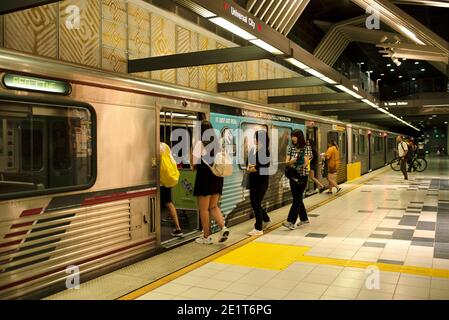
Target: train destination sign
[{"x": 20, "y": 82}]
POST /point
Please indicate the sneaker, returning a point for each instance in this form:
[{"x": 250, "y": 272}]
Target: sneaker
[
  {"x": 322, "y": 189},
  {"x": 177, "y": 233},
  {"x": 300, "y": 223},
  {"x": 265, "y": 225},
  {"x": 255, "y": 232},
  {"x": 224, "y": 234},
  {"x": 289, "y": 225},
  {"x": 203, "y": 240},
  {"x": 338, "y": 190}
]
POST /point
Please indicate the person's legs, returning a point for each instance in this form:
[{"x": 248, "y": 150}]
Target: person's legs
[
  {"x": 314, "y": 179},
  {"x": 215, "y": 210},
  {"x": 294, "y": 210},
  {"x": 256, "y": 203},
  {"x": 403, "y": 168},
  {"x": 173, "y": 214},
  {"x": 203, "y": 207},
  {"x": 302, "y": 209}
]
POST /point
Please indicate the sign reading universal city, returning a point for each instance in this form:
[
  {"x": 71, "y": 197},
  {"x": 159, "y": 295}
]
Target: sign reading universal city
[
  {"x": 242, "y": 17},
  {"x": 20, "y": 82}
]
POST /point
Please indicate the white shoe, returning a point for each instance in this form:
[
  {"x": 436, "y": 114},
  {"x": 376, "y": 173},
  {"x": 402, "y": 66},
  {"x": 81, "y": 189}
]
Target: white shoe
[
  {"x": 300, "y": 223},
  {"x": 224, "y": 234},
  {"x": 255, "y": 232},
  {"x": 203, "y": 240},
  {"x": 265, "y": 225}
]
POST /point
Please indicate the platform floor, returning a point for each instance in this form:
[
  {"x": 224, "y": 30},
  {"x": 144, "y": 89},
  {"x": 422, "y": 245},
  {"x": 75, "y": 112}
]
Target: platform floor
[{"x": 381, "y": 238}]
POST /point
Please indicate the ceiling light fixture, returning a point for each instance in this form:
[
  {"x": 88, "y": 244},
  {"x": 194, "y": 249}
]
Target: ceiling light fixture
[
  {"x": 267, "y": 47},
  {"x": 348, "y": 91},
  {"x": 225, "y": 24}
]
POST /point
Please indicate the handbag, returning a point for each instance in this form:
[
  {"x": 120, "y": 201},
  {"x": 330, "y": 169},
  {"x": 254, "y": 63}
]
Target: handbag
[{"x": 245, "y": 181}]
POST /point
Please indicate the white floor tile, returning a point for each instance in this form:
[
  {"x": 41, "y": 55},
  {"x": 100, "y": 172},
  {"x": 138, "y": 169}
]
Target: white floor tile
[{"x": 413, "y": 291}]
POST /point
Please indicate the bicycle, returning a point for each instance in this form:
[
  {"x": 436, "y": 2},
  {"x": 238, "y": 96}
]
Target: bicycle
[{"x": 419, "y": 164}]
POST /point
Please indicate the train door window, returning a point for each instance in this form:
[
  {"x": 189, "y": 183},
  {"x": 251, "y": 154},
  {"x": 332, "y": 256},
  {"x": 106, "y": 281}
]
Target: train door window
[
  {"x": 45, "y": 149},
  {"x": 362, "y": 144},
  {"x": 171, "y": 120},
  {"x": 332, "y": 135},
  {"x": 354, "y": 143},
  {"x": 343, "y": 146},
  {"x": 378, "y": 144},
  {"x": 249, "y": 129}
]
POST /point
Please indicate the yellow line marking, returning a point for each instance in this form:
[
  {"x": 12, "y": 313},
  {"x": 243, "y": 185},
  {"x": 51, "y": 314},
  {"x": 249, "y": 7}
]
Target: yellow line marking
[
  {"x": 172, "y": 276},
  {"x": 279, "y": 256}
]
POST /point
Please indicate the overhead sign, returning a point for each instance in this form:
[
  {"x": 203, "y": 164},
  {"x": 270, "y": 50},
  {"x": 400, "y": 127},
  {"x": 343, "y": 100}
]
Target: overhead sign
[
  {"x": 20, "y": 82},
  {"x": 267, "y": 116},
  {"x": 242, "y": 17},
  {"x": 338, "y": 128}
]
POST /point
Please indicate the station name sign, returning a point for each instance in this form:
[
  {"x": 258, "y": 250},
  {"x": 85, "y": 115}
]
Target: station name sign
[
  {"x": 20, "y": 82},
  {"x": 242, "y": 17}
]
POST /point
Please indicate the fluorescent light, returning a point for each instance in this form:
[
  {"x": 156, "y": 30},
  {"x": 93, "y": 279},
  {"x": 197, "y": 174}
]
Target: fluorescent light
[
  {"x": 314, "y": 73},
  {"x": 262, "y": 44},
  {"x": 411, "y": 35},
  {"x": 382, "y": 74},
  {"x": 392, "y": 70},
  {"x": 422, "y": 70},
  {"x": 296, "y": 63},
  {"x": 328, "y": 80},
  {"x": 389, "y": 65},
  {"x": 348, "y": 91},
  {"x": 232, "y": 28},
  {"x": 375, "y": 106},
  {"x": 400, "y": 77},
  {"x": 413, "y": 79},
  {"x": 416, "y": 62}
]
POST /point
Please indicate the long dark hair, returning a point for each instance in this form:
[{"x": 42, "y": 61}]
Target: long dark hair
[
  {"x": 301, "y": 143},
  {"x": 206, "y": 125}
]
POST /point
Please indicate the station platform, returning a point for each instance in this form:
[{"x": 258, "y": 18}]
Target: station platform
[{"x": 380, "y": 238}]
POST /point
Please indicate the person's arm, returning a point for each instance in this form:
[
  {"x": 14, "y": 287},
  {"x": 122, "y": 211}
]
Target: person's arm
[
  {"x": 195, "y": 155},
  {"x": 289, "y": 160}
]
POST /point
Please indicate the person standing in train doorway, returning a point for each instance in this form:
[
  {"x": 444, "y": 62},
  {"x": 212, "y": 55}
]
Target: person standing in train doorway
[
  {"x": 298, "y": 157},
  {"x": 208, "y": 187},
  {"x": 402, "y": 153},
  {"x": 333, "y": 162},
  {"x": 165, "y": 191},
  {"x": 257, "y": 167}
]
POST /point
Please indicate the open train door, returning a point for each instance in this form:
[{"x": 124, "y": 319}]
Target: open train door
[
  {"x": 370, "y": 151},
  {"x": 312, "y": 136}
]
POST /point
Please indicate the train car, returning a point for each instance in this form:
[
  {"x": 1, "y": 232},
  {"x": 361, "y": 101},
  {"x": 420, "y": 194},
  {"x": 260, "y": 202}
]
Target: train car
[{"x": 79, "y": 156}]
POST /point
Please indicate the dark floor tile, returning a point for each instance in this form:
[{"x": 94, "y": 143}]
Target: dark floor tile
[
  {"x": 414, "y": 208},
  {"x": 380, "y": 236},
  {"x": 374, "y": 244},
  {"x": 313, "y": 215},
  {"x": 422, "y": 243},
  {"x": 390, "y": 261},
  {"x": 408, "y": 223},
  {"x": 393, "y": 218},
  {"x": 316, "y": 235},
  {"x": 366, "y": 191},
  {"x": 386, "y": 208},
  {"x": 423, "y": 239},
  {"x": 441, "y": 255},
  {"x": 429, "y": 208},
  {"x": 385, "y": 229},
  {"x": 412, "y": 211},
  {"x": 417, "y": 202},
  {"x": 426, "y": 225},
  {"x": 441, "y": 246},
  {"x": 366, "y": 211},
  {"x": 391, "y": 199}
]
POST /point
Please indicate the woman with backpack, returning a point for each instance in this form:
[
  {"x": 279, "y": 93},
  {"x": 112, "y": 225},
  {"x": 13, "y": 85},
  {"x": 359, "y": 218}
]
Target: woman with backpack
[
  {"x": 208, "y": 187},
  {"x": 298, "y": 157},
  {"x": 257, "y": 168}
]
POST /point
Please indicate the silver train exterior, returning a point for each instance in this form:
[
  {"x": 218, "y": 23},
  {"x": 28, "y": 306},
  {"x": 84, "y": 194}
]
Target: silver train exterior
[{"x": 79, "y": 172}]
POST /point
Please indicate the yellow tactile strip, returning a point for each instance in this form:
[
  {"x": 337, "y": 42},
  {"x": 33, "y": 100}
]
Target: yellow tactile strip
[{"x": 279, "y": 256}]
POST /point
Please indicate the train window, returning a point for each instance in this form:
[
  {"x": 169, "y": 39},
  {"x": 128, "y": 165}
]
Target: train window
[
  {"x": 378, "y": 144},
  {"x": 249, "y": 129},
  {"x": 45, "y": 149},
  {"x": 354, "y": 144},
  {"x": 362, "y": 144},
  {"x": 284, "y": 134}
]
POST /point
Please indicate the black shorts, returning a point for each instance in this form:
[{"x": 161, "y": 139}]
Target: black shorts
[{"x": 165, "y": 195}]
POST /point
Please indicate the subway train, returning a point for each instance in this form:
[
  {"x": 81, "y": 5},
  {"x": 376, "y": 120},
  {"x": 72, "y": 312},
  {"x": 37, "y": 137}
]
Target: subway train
[{"x": 79, "y": 150}]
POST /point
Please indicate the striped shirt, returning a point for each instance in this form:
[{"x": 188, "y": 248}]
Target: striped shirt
[{"x": 294, "y": 152}]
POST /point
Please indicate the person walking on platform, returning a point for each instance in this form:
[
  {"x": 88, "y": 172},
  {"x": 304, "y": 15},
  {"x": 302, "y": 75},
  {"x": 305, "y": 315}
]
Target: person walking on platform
[
  {"x": 333, "y": 162},
  {"x": 410, "y": 154},
  {"x": 208, "y": 187},
  {"x": 257, "y": 167},
  {"x": 402, "y": 153},
  {"x": 314, "y": 166},
  {"x": 169, "y": 176},
  {"x": 298, "y": 157}
]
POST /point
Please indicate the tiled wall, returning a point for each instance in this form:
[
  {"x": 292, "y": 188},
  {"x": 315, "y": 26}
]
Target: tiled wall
[{"x": 129, "y": 31}]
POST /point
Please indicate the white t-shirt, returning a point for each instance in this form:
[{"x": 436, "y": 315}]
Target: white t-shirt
[{"x": 402, "y": 149}]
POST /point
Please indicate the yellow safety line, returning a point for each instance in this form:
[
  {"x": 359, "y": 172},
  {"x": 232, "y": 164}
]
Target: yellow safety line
[
  {"x": 273, "y": 256},
  {"x": 172, "y": 276}
]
